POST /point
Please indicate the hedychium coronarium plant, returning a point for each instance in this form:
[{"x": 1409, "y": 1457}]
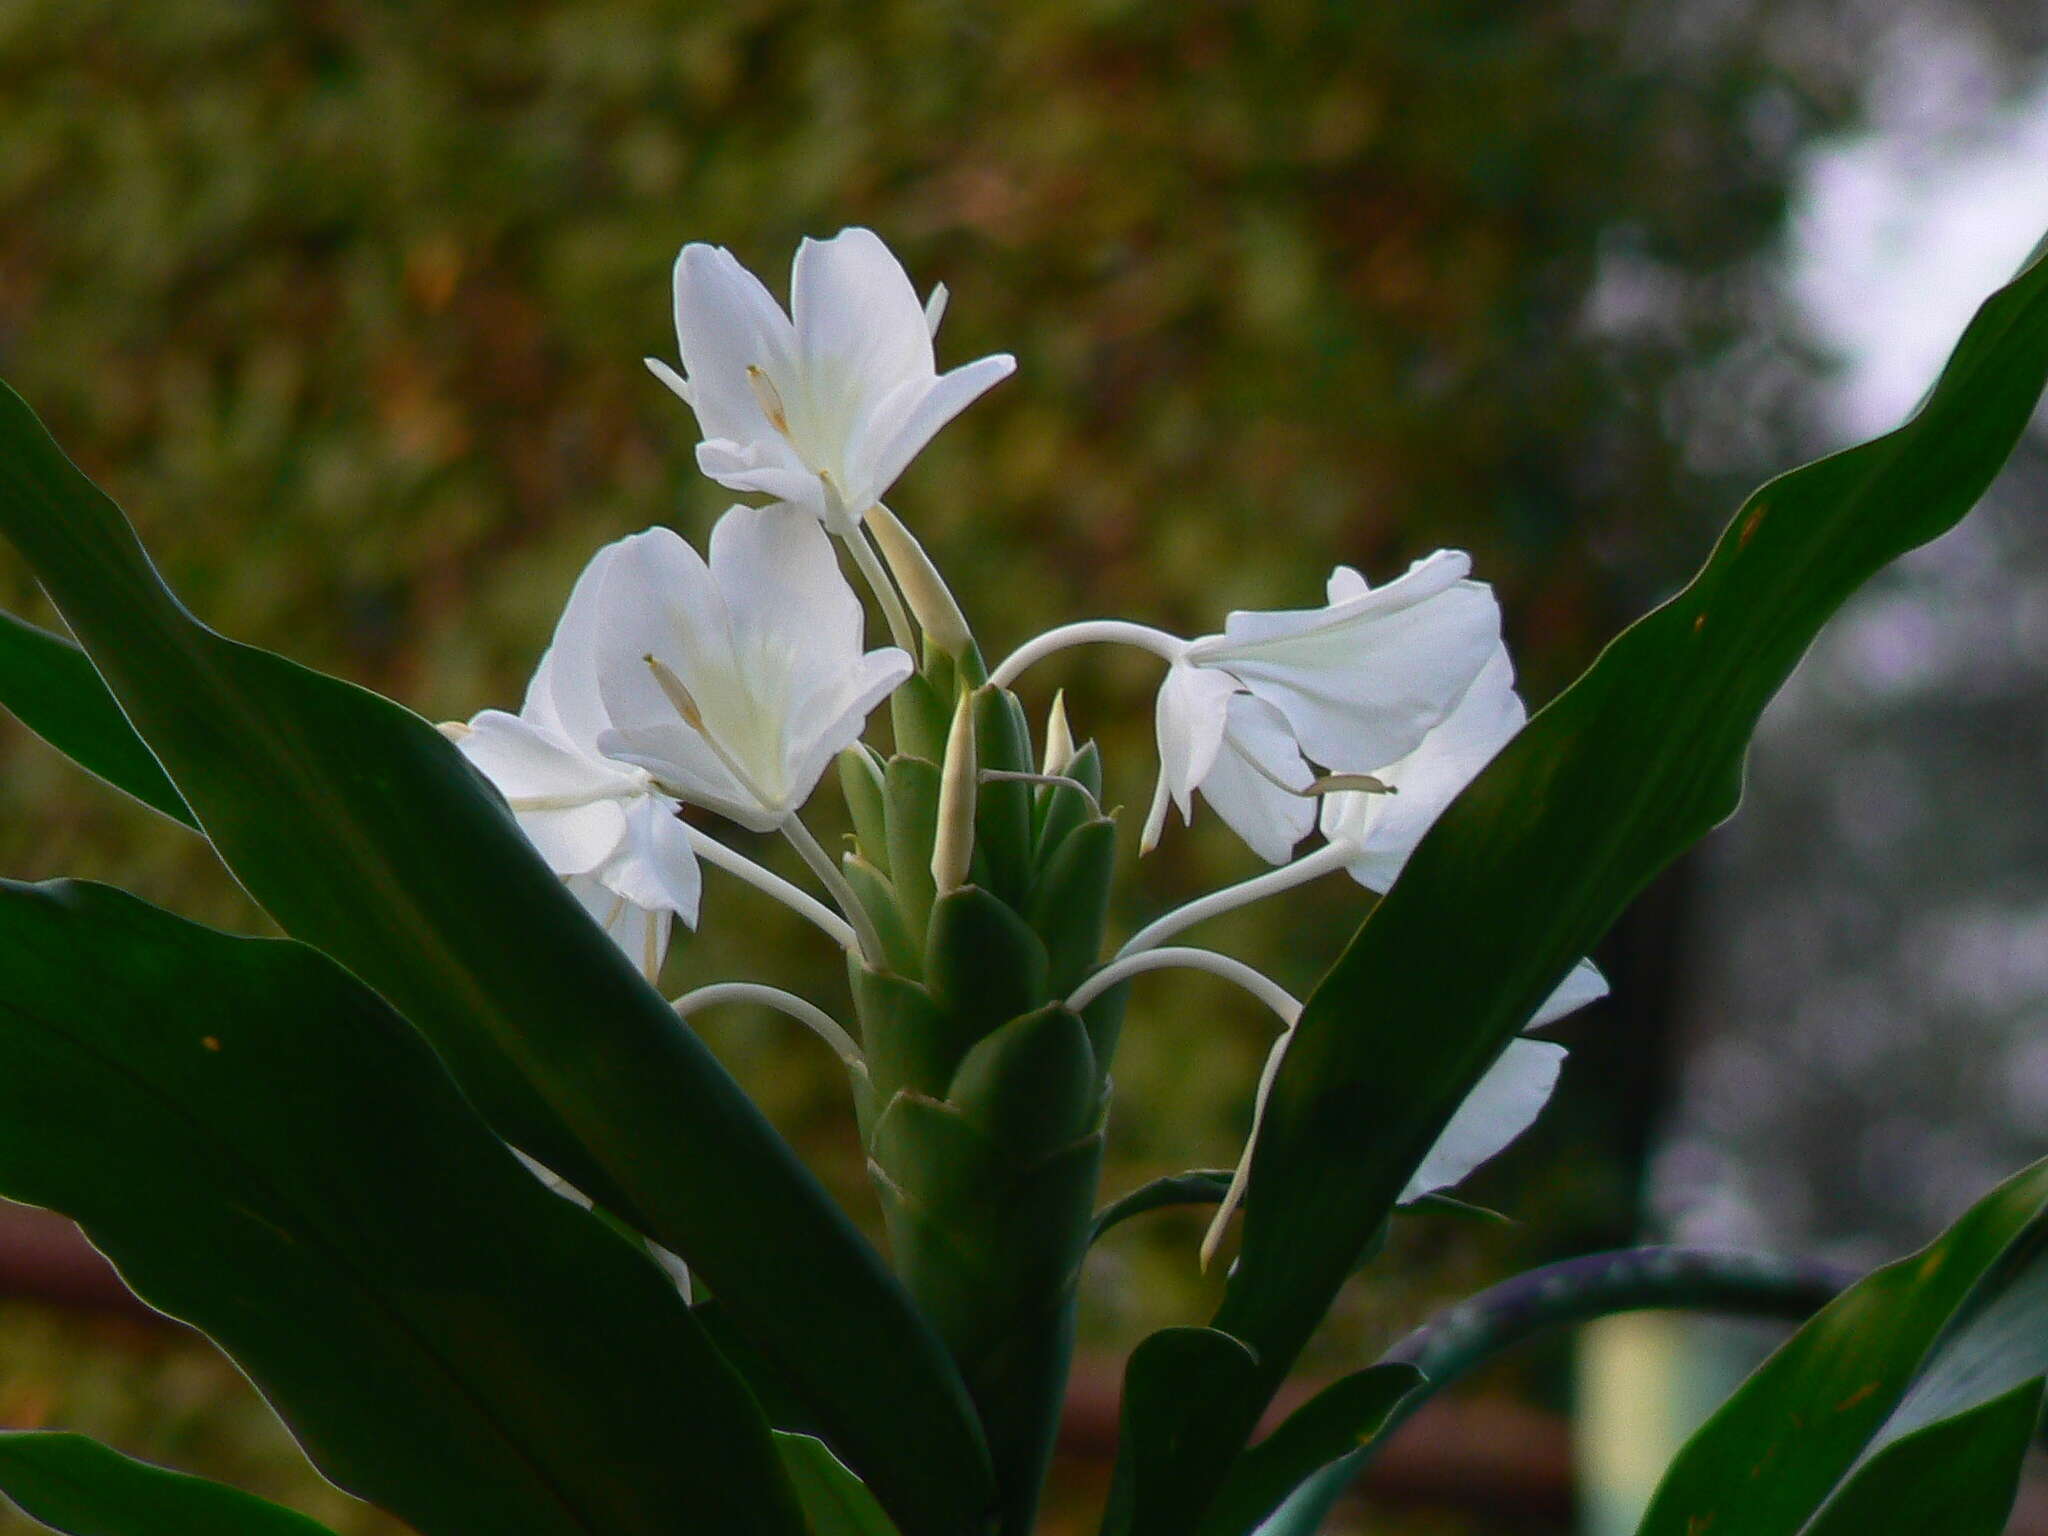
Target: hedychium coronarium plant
[{"x": 450, "y": 1175}]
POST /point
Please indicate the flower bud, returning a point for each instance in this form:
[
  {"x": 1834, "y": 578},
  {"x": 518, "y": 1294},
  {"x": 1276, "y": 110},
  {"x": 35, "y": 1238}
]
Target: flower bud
[{"x": 953, "y": 846}]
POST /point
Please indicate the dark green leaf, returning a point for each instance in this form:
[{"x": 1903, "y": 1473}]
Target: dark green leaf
[
  {"x": 1169, "y": 1379},
  {"x": 266, "y": 1151},
  {"x": 1957, "y": 1477},
  {"x": 835, "y": 1502},
  {"x": 47, "y": 683},
  {"x": 82, "y": 1488},
  {"x": 1901, "y": 1354},
  {"x": 1438, "y": 1203},
  {"x": 1528, "y": 868},
  {"x": 1200, "y": 1186},
  {"x": 1336, "y": 1421},
  {"x": 366, "y": 834}
]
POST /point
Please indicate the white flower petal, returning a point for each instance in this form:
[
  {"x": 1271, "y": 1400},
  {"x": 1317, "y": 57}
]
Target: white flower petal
[
  {"x": 844, "y": 711},
  {"x": 641, "y": 933},
  {"x": 1257, "y": 749},
  {"x": 578, "y": 839},
  {"x": 948, "y": 396},
  {"x": 528, "y": 761},
  {"x": 762, "y": 645},
  {"x": 791, "y": 608},
  {"x": 1384, "y": 829},
  {"x": 1582, "y": 984},
  {"x": 769, "y": 469},
  {"x": 726, "y": 323},
  {"x": 860, "y": 330},
  {"x": 1363, "y": 680},
  {"x": 658, "y": 599},
  {"x": 657, "y": 867},
  {"x": 675, "y": 381},
  {"x": 1503, "y": 1104},
  {"x": 1191, "y": 714},
  {"x": 563, "y": 696}
]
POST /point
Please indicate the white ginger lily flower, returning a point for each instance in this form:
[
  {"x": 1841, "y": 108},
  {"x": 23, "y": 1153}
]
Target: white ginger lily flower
[
  {"x": 825, "y": 411},
  {"x": 1353, "y": 685},
  {"x": 1373, "y": 834},
  {"x": 600, "y": 824},
  {"x": 735, "y": 684}
]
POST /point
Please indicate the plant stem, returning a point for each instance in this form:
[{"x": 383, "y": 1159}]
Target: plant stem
[
  {"x": 805, "y": 905},
  {"x": 1309, "y": 866},
  {"x": 1092, "y": 632},
  {"x": 868, "y": 942},
  {"x": 805, "y": 1012}
]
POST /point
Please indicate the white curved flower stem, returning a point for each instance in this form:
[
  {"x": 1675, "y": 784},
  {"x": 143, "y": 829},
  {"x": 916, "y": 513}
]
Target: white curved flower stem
[
  {"x": 805, "y": 1012},
  {"x": 1242, "y": 1173},
  {"x": 1091, "y": 632},
  {"x": 801, "y": 902},
  {"x": 1284, "y": 1006},
  {"x": 1310, "y": 866},
  {"x": 867, "y": 943},
  {"x": 1259, "y": 985}
]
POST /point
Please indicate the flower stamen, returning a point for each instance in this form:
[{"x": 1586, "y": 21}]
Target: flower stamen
[{"x": 769, "y": 398}]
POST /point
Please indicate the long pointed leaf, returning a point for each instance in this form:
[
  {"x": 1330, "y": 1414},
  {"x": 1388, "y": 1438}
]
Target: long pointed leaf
[
  {"x": 1542, "y": 852},
  {"x": 266, "y": 1151},
  {"x": 1865, "y": 1398},
  {"x": 50, "y": 686},
  {"x": 82, "y": 1488},
  {"x": 366, "y": 834}
]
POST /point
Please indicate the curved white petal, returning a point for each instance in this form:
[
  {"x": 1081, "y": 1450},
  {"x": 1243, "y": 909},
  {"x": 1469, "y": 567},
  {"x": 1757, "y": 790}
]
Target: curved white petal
[
  {"x": 947, "y": 397},
  {"x": 1384, "y": 829},
  {"x": 1363, "y": 680},
  {"x": 1503, "y": 1104},
  {"x": 769, "y": 468},
  {"x": 529, "y": 762},
  {"x": 860, "y": 330},
  {"x": 658, "y": 600},
  {"x": 1257, "y": 749},
  {"x": 657, "y": 867},
  {"x": 641, "y": 933},
  {"x": 1582, "y": 984},
  {"x": 578, "y": 839},
  {"x": 1191, "y": 714},
  {"x": 792, "y": 610},
  {"x": 563, "y": 695},
  {"x": 852, "y": 698},
  {"x": 726, "y": 322}
]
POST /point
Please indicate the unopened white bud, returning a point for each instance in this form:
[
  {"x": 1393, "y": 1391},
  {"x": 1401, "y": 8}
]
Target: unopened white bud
[
  {"x": 953, "y": 847},
  {"x": 923, "y": 588},
  {"x": 1059, "y": 736}
]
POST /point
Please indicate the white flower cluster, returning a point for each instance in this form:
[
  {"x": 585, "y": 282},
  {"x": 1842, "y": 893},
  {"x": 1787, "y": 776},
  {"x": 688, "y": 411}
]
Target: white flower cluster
[{"x": 731, "y": 684}]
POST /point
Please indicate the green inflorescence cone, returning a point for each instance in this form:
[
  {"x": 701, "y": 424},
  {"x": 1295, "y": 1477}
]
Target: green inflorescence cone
[{"x": 984, "y": 1128}]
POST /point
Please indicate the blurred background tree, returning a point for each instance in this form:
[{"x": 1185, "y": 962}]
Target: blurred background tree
[{"x": 346, "y": 302}]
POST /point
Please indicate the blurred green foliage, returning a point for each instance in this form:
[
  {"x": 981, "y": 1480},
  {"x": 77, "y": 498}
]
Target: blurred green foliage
[{"x": 345, "y": 302}]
